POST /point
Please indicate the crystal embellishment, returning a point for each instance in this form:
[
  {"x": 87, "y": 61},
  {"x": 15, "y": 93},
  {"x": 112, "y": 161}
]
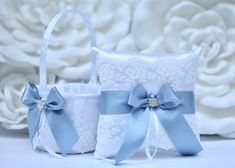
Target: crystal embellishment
[
  {"x": 40, "y": 105},
  {"x": 152, "y": 101}
]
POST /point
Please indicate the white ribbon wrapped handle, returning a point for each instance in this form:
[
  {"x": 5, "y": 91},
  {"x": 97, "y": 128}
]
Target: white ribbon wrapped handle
[{"x": 44, "y": 47}]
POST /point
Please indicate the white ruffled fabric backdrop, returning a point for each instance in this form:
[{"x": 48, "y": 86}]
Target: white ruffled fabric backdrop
[{"x": 148, "y": 26}]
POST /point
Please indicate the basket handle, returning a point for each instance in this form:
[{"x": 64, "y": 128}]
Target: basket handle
[{"x": 44, "y": 47}]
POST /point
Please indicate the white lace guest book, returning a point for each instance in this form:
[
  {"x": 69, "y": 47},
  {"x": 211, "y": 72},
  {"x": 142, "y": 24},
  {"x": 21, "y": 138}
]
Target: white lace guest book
[{"x": 146, "y": 102}]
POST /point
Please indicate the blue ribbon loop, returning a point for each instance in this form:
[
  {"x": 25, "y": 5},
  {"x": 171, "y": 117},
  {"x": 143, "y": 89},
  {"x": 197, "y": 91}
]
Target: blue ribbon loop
[
  {"x": 168, "y": 105},
  {"x": 60, "y": 125}
]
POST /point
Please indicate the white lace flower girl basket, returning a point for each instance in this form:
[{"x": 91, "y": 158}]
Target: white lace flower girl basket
[{"x": 82, "y": 99}]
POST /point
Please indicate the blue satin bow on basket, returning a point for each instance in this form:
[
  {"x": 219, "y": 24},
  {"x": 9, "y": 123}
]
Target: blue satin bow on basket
[
  {"x": 60, "y": 125},
  {"x": 169, "y": 107}
]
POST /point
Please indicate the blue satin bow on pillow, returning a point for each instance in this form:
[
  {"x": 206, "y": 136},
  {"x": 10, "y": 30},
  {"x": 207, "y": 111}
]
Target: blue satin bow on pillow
[
  {"x": 168, "y": 105},
  {"x": 61, "y": 126}
]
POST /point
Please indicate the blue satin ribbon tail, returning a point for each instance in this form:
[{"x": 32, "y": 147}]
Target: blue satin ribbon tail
[
  {"x": 60, "y": 125},
  {"x": 169, "y": 106}
]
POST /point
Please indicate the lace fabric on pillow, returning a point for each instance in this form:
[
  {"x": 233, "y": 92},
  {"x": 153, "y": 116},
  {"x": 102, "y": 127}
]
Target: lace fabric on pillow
[{"x": 122, "y": 71}]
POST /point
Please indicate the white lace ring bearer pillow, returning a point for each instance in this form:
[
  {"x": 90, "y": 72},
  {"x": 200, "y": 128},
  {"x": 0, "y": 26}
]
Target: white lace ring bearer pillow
[
  {"x": 80, "y": 105},
  {"x": 121, "y": 73}
]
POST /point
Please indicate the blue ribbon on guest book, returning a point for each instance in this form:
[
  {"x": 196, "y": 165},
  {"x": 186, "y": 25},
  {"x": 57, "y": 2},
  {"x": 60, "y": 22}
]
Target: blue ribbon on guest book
[
  {"x": 169, "y": 107},
  {"x": 60, "y": 125}
]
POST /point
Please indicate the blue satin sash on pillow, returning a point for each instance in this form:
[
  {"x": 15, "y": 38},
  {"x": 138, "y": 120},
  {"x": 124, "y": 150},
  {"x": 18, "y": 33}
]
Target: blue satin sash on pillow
[{"x": 168, "y": 105}]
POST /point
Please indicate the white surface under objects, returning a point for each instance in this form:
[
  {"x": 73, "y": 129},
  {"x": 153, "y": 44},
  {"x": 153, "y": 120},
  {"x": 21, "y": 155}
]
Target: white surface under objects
[{"x": 16, "y": 151}]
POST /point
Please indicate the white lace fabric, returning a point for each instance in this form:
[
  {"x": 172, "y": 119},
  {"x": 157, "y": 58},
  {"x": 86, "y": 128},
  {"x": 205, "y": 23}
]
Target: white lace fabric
[
  {"x": 121, "y": 72},
  {"x": 82, "y": 99},
  {"x": 111, "y": 132},
  {"x": 82, "y": 109}
]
